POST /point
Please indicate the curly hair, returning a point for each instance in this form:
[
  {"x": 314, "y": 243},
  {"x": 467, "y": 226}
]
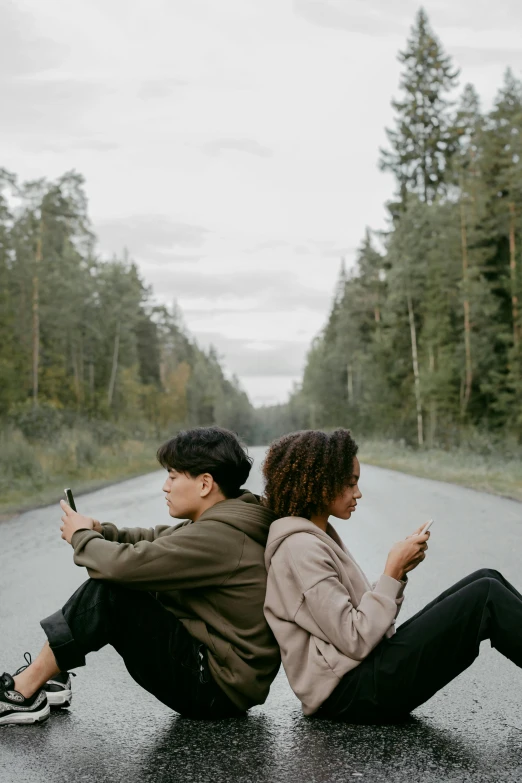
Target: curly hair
[{"x": 305, "y": 471}]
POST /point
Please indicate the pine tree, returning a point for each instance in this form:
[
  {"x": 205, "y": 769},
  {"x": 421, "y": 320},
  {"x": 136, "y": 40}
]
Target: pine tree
[{"x": 424, "y": 139}]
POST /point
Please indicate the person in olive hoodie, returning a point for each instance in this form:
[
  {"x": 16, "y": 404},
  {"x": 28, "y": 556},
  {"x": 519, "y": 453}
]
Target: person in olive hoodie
[{"x": 182, "y": 604}]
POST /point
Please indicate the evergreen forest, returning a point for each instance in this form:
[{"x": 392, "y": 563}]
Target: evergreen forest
[
  {"x": 82, "y": 339},
  {"x": 424, "y": 339}
]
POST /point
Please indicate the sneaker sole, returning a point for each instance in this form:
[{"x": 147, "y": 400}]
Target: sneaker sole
[
  {"x": 59, "y": 698},
  {"x": 26, "y": 717}
]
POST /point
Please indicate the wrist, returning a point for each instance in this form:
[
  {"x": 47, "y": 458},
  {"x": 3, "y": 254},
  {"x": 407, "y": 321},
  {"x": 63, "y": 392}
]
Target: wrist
[{"x": 395, "y": 572}]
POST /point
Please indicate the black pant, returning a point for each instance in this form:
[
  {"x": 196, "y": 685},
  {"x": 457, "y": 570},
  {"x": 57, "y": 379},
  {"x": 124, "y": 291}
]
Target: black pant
[
  {"x": 431, "y": 649},
  {"x": 158, "y": 651}
]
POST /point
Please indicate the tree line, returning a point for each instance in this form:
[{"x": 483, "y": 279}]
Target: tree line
[
  {"x": 423, "y": 341},
  {"x": 81, "y": 339}
]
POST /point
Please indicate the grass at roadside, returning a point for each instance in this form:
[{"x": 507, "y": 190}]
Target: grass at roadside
[
  {"x": 35, "y": 474},
  {"x": 486, "y": 473}
]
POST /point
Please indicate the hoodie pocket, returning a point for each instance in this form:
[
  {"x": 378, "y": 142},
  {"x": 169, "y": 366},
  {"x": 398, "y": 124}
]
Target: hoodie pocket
[{"x": 333, "y": 659}]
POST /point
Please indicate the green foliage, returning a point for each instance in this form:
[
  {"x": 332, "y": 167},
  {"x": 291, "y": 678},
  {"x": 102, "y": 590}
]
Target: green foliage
[
  {"x": 18, "y": 462},
  {"x": 82, "y": 342},
  {"x": 425, "y": 138},
  {"x": 423, "y": 343}
]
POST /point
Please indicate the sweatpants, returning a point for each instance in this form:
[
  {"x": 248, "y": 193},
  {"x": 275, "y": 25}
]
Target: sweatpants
[
  {"x": 159, "y": 653},
  {"x": 430, "y": 649}
]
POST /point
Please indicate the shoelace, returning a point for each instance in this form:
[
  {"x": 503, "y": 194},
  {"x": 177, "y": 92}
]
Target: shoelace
[{"x": 28, "y": 659}]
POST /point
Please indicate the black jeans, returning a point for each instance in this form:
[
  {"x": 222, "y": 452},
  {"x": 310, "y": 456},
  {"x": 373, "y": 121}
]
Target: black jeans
[
  {"x": 431, "y": 649},
  {"x": 158, "y": 651}
]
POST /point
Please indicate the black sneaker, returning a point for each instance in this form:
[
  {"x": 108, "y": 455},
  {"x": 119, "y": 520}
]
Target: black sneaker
[
  {"x": 15, "y": 708},
  {"x": 58, "y": 690}
]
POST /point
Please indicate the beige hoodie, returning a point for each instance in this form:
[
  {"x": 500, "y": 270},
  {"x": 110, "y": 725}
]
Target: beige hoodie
[{"x": 321, "y": 608}]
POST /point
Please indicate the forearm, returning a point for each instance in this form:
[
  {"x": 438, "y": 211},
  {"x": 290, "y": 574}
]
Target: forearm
[{"x": 132, "y": 535}]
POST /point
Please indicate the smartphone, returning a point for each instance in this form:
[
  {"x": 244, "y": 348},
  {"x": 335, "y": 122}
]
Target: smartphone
[
  {"x": 70, "y": 499},
  {"x": 426, "y": 527}
]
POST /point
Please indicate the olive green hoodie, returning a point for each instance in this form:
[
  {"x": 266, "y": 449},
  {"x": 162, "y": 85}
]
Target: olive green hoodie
[{"x": 211, "y": 575}]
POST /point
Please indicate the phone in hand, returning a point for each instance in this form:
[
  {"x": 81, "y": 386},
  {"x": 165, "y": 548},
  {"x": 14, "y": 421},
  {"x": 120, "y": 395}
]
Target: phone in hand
[
  {"x": 426, "y": 527},
  {"x": 70, "y": 499}
]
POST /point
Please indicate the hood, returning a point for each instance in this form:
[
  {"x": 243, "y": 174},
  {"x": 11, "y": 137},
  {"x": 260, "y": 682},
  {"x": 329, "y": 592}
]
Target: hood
[
  {"x": 282, "y": 528},
  {"x": 245, "y": 513}
]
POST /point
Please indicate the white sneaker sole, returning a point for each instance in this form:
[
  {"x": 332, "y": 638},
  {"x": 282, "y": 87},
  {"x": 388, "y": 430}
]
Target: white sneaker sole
[
  {"x": 26, "y": 717},
  {"x": 59, "y": 698}
]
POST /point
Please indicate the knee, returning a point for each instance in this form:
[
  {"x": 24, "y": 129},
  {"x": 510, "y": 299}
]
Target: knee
[
  {"x": 95, "y": 591},
  {"x": 484, "y": 588},
  {"x": 487, "y": 573}
]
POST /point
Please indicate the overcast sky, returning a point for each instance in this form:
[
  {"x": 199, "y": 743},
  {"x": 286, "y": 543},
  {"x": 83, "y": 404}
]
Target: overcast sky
[{"x": 232, "y": 146}]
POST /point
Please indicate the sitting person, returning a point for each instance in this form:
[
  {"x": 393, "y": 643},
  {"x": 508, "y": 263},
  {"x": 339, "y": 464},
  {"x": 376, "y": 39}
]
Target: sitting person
[
  {"x": 182, "y": 604},
  {"x": 339, "y": 647}
]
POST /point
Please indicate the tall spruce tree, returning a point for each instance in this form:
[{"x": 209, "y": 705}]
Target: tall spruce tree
[{"x": 424, "y": 139}]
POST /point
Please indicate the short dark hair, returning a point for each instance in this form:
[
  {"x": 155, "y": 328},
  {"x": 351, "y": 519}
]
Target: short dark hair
[
  {"x": 211, "y": 450},
  {"x": 305, "y": 471}
]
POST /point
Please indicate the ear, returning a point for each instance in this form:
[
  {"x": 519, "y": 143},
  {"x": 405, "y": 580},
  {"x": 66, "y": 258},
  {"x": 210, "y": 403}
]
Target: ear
[{"x": 207, "y": 485}]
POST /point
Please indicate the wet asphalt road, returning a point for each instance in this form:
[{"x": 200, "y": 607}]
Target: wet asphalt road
[{"x": 114, "y": 731}]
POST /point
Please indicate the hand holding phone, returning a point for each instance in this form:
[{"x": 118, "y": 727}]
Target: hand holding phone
[
  {"x": 70, "y": 499},
  {"x": 426, "y": 527}
]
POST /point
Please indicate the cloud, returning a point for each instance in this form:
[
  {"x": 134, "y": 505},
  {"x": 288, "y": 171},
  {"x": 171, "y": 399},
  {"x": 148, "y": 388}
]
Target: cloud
[
  {"x": 269, "y": 244},
  {"x": 22, "y": 51},
  {"x": 477, "y": 56},
  {"x": 39, "y": 108},
  {"x": 481, "y": 15},
  {"x": 52, "y": 144},
  {"x": 151, "y": 237},
  {"x": 314, "y": 248},
  {"x": 324, "y": 249},
  {"x": 250, "y": 146},
  {"x": 357, "y": 16},
  {"x": 247, "y": 359},
  {"x": 159, "y": 88},
  {"x": 206, "y": 290},
  {"x": 384, "y": 18}
]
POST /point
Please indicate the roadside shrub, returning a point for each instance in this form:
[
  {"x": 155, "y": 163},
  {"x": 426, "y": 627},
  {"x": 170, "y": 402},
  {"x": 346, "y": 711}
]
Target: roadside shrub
[
  {"x": 38, "y": 424},
  {"x": 87, "y": 451},
  {"x": 19, "y": 462}
]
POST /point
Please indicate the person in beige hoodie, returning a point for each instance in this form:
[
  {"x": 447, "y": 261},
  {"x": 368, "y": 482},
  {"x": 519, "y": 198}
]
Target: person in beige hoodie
[{"x": 339, "y": 647}]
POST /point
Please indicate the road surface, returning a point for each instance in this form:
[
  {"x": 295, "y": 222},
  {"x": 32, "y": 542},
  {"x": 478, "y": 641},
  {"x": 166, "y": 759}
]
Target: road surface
[{"x": 114, "y": 731}]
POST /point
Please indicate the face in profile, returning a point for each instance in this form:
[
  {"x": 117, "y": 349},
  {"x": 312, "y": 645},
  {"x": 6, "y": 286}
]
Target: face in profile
[
  {"x": 345, "y": 504},
  {"x": 183, "y": 494}
]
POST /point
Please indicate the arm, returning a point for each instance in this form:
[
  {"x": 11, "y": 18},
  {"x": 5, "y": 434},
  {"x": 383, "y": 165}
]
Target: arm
[
  {"x": 131, "y": 535},
  {"x": 355, "y": 631},
  {"x": 196, "y": 555},
  {"x": 400, "y": 595}
]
